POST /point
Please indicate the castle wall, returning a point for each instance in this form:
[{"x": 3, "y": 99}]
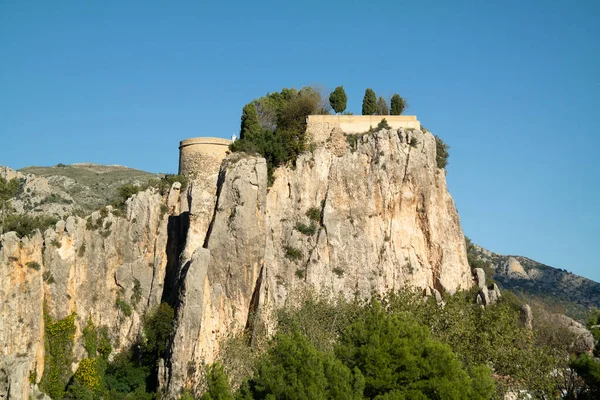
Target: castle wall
[
  {"x": 319, "y": 126},
  {"x": 201, "y": 156}
]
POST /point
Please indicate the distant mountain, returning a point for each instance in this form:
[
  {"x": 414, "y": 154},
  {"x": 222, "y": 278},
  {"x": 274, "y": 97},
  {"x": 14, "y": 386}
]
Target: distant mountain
[
  {"x": 557, "y": 289},
  {"x": 69, "y": 189}
]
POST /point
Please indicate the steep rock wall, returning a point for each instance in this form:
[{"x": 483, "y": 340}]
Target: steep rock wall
[
  {"x": 83, "y": 267},
  {"x": 385, "y": 220}
]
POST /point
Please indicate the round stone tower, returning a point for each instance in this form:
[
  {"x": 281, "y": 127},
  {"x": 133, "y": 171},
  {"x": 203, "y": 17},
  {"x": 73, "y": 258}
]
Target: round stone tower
[{"x": 202, "y": 156}]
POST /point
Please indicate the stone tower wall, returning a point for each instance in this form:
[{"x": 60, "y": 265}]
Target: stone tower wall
[{"x": 201, "y": 156}]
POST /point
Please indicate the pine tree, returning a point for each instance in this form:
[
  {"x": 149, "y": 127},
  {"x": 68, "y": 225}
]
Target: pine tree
[
  {"x": 338, "y": 99},
  {"x": 369, "y": 105},
  {"x": 382, "y": 108},
  {"x": 250, "y": 127},
  {"x": 218, "y": 384},
  {"x": 398, "y": 104}
]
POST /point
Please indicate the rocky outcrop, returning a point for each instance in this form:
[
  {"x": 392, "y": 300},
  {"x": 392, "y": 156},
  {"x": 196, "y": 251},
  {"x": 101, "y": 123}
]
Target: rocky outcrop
[
  {"x": 487, "y": 294},
  {"x": 81, "y": 266},
  {"x": 351, "y": 220},
  {"x": 554, "y": 287}
]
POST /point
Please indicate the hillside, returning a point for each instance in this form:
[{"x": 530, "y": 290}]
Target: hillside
[
  {"x": 72, "y": 189},
  {"x": 558, "y": 290}
]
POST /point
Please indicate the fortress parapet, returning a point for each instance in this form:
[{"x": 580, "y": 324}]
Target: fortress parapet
[
  {"x": 202, "y": 156},
  {"x": 319, "y": 126}
]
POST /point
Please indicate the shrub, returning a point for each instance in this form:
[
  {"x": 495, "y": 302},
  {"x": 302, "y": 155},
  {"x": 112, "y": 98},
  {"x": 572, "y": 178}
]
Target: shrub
[
  {"x": 25, "y": 225},
  {"x": 292, "y": 253},
  {"x": 58, "y": 343},
  {"x": 123, "y": 306},
  {"x": 282, "y": 137},
  {"x": 300, "y": 273},
  {"x": 314, "y": 214},
  {"x": 158, "y": 326},
  {"x": 136, "y": 296},
  {"x": 413, "y": 142},
  {"x": 307, "y": 230},
  {"x": 383, "y": 125},
  {"x": 441, "y": 153},
  {"x": 56, "y": 243},
  {"x": 34, "y": 265},
  {"x": 81, "y": 251},
  {"x": 48, "y": 278}
]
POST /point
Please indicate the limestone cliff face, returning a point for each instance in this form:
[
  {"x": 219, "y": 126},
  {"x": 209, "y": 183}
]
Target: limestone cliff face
[
  {"x": 83, "y": 267},
  {"x": 353, "y": 217},
  {"x": 383, "y": 219}
]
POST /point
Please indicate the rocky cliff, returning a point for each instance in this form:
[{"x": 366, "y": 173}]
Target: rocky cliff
[
  {"x": 371, "y": 214},
  {"x": 355, "y": 215},
  {"x": 107, "y": 268},
  {"x": 557, "y": 289}
]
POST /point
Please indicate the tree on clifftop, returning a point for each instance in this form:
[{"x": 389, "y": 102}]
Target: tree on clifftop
[
  {"x": 250, "y": 127},
  {"x": 382, "y": 108},
  {"x": 398, "y": 104},
  {"x": 369, "y": 105},
  {"x": 338, "y": 99}
]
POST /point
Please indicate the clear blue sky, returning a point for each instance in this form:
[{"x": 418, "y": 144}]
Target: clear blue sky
[{"x": 512, "y": 86}]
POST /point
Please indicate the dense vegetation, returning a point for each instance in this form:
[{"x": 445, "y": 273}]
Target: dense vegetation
[
  {"x": 130, "y": 374},
  {"x": 401, "y": 346},
  {"x": 274, "y": 125}
]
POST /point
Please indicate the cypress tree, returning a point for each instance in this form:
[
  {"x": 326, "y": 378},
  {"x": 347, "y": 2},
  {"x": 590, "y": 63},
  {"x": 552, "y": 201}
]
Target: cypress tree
[
  {"x": 250, "y": 127},
  {"x": 382, "y": 108},
  {"x": 338, "y": 99},
  {"x": 369, "y": 105},
  {"x": 398, "y": 104}
]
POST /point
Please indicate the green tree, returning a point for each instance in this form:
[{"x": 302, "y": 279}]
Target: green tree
[
  {"x": 218, "y": 384},
  {"x": 382, "y": 107},
  {"x": 588, "y": 369},
  {"x": 338, "y": 99},
  {"x": 250, "y": 127},
  {"x": 157, "y": 329},
  {"x": 399, "y": 358},
  {"x": 441, "y": 153},
  {"x": 8, "y": 190},
  {"x": 369, "y": 105},
  {"x": 293, "y": 369},
  {"x": 398, "y": 104}
]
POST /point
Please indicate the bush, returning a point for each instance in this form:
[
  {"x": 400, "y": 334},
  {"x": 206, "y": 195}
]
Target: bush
[
  {"x": 123, "y": 306},
  {"x": 25, "y": 225},
  {"x": 307, "y": 230},
  {"x": 58, "y": 343},
  {"x": 292, "y": 253},
  {"x": 314, "y": 214},
  {"x": 441, "y": 153},
  {"x": 413, "y": 142},
  {"x": 34, "y": 265},
  {"x": 383, "y": 125},
  {"x": 282, "y": 135}
]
